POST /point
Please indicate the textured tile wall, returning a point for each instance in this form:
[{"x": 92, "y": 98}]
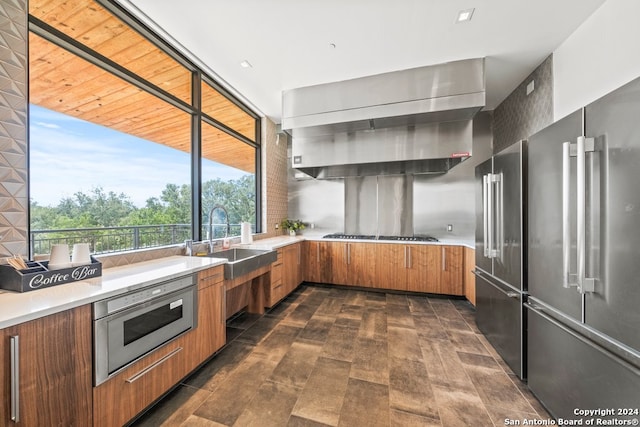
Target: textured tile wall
[
  {"x": 521, "y": 115},
  {"x": 14, "y": 195}
]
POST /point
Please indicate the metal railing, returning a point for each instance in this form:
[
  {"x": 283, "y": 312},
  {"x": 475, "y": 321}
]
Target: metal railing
[
  {"x": 111, "y": 239},
  {"x": 119, "y": 239}
]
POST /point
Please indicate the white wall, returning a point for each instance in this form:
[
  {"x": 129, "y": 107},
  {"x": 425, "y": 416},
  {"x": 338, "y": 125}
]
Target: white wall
[{"x": 600, "y": 56}]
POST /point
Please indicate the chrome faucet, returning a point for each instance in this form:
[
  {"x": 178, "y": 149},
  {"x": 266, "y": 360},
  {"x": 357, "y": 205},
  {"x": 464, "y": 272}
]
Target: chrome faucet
[{"x": 227, "y": 230}]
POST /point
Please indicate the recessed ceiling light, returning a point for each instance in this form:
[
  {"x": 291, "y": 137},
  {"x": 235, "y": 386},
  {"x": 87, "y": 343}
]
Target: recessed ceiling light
[
  {"x": 246, "y": 64},
  {"x": 465, "y": 15}
]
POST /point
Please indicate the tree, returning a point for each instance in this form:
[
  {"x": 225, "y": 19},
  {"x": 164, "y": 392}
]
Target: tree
[{"x": 237, "y": 196}]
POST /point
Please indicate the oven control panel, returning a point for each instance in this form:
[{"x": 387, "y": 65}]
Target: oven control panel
[{"x": 112, "y": 305}]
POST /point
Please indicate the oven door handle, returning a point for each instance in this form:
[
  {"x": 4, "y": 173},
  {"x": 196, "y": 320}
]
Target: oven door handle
[{"x": 154, "y": 365}]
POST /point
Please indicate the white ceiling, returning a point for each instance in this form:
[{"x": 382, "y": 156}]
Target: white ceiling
[{"x": 288, "y": 42}]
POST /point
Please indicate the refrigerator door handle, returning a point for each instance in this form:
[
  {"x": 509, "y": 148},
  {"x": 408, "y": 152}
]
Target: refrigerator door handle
[
  {"x": 510, "y": 294},
  {"x": 485, "y": 215},
  {"x": 567, "y": 279},
  {"x": 540, "y": 311},
  {"x": 490, "y": 215},
  {"x": 583, "y": 145},
  {"x": 499, "y": 215},
  {"x": 579, "y": 280}
]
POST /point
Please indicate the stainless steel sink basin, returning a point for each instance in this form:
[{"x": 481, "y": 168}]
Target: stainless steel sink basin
[{"x": 242, "y": 261}]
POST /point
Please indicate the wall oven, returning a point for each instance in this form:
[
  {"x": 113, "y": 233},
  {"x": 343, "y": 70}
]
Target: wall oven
[{"x": 127, "y": 327}]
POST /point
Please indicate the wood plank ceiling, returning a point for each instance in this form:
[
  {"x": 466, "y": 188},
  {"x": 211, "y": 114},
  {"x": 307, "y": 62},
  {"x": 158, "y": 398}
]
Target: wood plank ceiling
[{"x": 66, "y": 83}]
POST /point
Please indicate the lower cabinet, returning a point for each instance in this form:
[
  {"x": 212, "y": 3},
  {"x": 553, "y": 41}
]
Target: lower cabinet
[
  {"x": 211, "y": 333},
  {"x": 286, "y": 273},
  {"x": 452, "y": 280},
  {"x": 53, "y": 373},
  {"x": 122, "y": 397},
  {"x": 469, "y": 277},
  {"x": 434, "y": 269}
]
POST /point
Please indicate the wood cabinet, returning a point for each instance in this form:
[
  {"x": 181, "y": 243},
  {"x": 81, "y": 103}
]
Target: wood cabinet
[
  {"x": 390, "y": 267},
  {"x": 316, "y": 267},
  {"x": 452, "y": 279},
  {"x": 275, "y": 292},
  {"x": 122, "y": 397},
  {"x": 469, "y": 277},
  {"x": 434, "y": 269},
  {"x": 291, "y": 267},
  {"x": 286, "y": 273},
  {"x": 361, "y": 264},
  {"x": 341, "y": 263},
  {"x": 413, "y": 268},
  {"x": 54, "y": 372},
  {"x": 210, "y": 335},
  {"x": 423, "y": 268}
]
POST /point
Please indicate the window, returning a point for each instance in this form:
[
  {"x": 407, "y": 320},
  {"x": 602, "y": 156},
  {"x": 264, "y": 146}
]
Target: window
[
  {"x": 111, "y": 136},
  {"x": 228, "y": 179}
]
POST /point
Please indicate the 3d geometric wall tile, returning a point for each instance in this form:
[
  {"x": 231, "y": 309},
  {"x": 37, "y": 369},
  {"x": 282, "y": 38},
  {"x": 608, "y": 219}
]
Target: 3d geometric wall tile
[{"x": 13, "y": 128}]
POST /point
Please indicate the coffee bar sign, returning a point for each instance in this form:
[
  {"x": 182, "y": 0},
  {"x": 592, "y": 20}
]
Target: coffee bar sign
[{"x": 38, "y": 276}]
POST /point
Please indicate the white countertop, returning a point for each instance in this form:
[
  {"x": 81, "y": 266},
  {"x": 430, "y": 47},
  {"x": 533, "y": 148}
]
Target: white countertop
[
  {"x": 271, "y": 243},
  {"x": 16, "y": 307},
  {"x": 278, "y": 242}
]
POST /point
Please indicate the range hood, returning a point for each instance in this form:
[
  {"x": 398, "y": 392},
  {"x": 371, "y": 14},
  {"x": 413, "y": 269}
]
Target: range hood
[{"x": 405, "y": 122}]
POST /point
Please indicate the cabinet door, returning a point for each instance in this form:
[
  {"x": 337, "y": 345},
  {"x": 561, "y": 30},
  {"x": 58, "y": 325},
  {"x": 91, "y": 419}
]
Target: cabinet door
[
  {"x": 290, "y": 268},
  {"x": 312, "y": 262},
  {"x": 335, "y": 261},
  {"x": 274, "y": 292},
  {"x": 451, "y": 277},
  {"x": 423, "y": 268},
  {"x": 361, "y": 260},
  {"x": 469, "y": 277},
  {"x": 299, "y": 264},
  {"x": 324, "y": 261},
  {"x": 390, "y": 269},
  {"x": 122, "y": 397},
  {"x": 55, "y": 370},
  {"x": 210, "y": 335}
]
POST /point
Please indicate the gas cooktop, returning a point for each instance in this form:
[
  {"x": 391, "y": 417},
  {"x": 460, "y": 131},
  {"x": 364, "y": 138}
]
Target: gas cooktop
[{"x": 417, "y": 238}]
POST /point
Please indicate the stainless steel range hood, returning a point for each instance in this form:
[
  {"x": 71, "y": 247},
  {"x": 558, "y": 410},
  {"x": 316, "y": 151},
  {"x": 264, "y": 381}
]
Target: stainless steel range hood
[{"x": 405, "y": 122}]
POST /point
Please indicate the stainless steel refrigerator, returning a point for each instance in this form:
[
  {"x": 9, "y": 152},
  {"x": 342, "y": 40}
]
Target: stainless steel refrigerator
[
  {"x": 584, "y": 259},
  {"x": 500, "y": 255}
]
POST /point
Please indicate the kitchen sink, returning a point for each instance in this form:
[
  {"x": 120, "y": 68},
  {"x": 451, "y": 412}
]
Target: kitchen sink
[{"x": 242, "y": 261}]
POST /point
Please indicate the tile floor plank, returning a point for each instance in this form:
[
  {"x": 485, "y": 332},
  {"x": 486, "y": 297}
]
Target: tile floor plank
[
  {"x": 323, "y": 394},
  {"x": 365, "y": 404}
]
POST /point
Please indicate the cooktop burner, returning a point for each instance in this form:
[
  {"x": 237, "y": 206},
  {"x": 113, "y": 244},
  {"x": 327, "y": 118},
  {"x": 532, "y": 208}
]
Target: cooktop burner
[{"x": 417, "y": 238}]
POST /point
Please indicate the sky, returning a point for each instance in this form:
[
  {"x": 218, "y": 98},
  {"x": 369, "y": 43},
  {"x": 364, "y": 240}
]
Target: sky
[{"x": 67, "y": 155}]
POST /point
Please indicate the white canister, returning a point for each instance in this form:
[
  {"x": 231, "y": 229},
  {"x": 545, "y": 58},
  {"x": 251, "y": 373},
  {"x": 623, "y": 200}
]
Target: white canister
[
  {"x": 245, "y": 233},
  {"x": 80, "y": 254},
  {"x": 59, "y": 257}
]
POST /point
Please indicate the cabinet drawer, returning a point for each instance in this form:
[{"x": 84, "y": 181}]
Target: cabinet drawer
[
  {"x": 277, "y": 292},
  {"x": 122, "y": 397},
  {"x": 210, "y": 277},
  {"x": 276, "y": 272}
]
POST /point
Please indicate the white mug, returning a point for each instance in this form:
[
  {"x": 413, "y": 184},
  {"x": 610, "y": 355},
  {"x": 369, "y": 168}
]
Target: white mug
[
  {"x": 59, "y": 257},
  {"x": 80, "y": 254}
]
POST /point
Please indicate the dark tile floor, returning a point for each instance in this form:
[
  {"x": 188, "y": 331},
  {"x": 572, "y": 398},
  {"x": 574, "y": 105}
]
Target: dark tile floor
[{"x": 330, "y": 356}]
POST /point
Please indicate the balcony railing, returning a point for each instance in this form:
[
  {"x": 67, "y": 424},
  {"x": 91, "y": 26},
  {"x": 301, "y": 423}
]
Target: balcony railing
[{"x": 119, "y": 239}]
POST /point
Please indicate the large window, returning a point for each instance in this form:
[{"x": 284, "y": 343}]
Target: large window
[{"x": 112, "y": 134}]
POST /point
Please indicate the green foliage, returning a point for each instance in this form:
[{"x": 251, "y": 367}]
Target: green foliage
[
  {"x": 237, "y": 196},
  {"x": 292, "y": 224},
  {"x": 173, "y": 206}
]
